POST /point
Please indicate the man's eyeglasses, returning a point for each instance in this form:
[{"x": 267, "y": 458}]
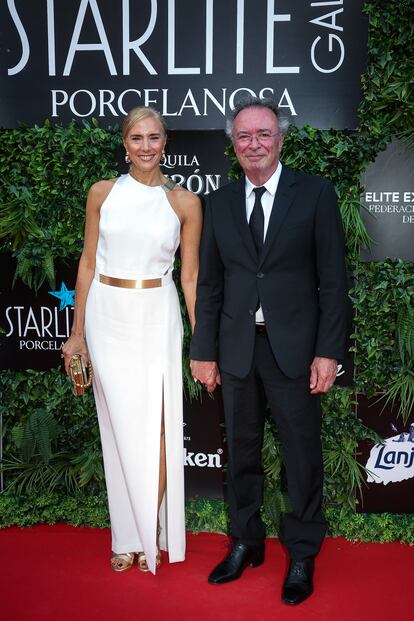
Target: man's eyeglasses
[{"x": 263, "y": 137}]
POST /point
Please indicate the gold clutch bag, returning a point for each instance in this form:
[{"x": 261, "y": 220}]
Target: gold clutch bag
[{"x": 80, "y": 374}]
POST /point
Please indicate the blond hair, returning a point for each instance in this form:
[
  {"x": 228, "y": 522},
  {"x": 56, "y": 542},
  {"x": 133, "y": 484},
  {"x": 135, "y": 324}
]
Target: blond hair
[{"x": 138, "y": 114}]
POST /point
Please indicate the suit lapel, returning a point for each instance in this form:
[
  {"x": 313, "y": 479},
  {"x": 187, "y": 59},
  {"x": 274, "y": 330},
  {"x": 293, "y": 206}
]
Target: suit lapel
[
  {"x": 238, "y": 207},
  {"x": 283, "y": 200}
]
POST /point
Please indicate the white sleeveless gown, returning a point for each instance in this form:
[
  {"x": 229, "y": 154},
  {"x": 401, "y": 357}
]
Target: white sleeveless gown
[{"x": 134, "y": 338}]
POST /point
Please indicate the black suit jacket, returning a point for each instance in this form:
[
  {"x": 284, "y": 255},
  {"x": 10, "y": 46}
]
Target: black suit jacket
[{"x": 299, "y": 278}]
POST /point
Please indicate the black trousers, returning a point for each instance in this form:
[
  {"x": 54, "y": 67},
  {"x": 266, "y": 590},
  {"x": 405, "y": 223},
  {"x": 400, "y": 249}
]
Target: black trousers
[{"x": 297, "y": 415}]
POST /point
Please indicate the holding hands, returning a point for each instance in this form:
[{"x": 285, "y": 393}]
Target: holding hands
[{"x": 206, "y": 372}]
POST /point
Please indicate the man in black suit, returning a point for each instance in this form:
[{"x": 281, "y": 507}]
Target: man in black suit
[{"x": 270, "y": 327}]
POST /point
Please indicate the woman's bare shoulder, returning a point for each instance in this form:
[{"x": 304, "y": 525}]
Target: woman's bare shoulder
[{"x": 100, "y": 190}]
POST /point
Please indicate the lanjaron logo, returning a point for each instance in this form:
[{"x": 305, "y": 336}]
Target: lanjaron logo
[
  {"x": 197, "y": 182},
  {"x": 392, "y": 461}
]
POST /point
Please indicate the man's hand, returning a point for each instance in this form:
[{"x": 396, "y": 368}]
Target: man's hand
[
  {"x": 206, "y": 372},
  {"x": 323, "y": 374}
]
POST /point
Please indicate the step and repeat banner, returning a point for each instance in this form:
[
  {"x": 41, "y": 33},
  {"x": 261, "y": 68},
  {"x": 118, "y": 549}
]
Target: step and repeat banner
[{"x": 192, "y": 61}]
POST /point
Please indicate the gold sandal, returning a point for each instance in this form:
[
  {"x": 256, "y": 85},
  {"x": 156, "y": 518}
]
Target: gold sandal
[
  {"x": 142, "y": 561},
  {"x": 122, "y": 562}
]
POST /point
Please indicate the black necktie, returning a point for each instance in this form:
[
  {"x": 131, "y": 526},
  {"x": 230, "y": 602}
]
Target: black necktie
[{"x": 256, "y": 222}]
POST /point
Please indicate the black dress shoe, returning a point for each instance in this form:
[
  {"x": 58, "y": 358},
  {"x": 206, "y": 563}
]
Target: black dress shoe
[
  {"x": 236, "y": 562},
  {"x": 298, "y": 584}
]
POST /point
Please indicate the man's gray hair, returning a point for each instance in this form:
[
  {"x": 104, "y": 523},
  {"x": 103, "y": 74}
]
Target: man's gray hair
[{"x": 251, "y": 101}]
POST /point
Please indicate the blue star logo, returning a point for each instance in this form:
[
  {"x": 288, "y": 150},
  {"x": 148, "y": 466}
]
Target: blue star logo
[{"x": 66, "y": 297}]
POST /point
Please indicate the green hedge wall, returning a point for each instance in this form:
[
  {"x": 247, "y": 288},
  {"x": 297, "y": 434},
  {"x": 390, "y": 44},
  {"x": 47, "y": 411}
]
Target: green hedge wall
[{"x": 52, "y": 464}]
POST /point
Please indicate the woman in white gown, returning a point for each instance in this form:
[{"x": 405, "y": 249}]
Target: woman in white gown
[{"x": 127, "y": 320}]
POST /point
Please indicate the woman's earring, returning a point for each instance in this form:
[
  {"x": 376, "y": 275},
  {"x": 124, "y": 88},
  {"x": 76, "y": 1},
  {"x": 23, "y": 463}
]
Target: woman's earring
[{"x": 127, "y": 160}]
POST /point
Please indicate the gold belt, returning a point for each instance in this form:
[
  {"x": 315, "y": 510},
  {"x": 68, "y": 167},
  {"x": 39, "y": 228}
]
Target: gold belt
[{"x": 148, "y": 283}]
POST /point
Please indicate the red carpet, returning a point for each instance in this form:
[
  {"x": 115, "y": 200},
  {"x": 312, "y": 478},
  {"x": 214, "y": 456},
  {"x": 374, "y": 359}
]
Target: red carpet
[{"x": 62, "y": 573}]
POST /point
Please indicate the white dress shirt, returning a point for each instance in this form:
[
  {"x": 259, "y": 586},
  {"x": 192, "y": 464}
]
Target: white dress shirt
[{"x": 267, "y": 204}]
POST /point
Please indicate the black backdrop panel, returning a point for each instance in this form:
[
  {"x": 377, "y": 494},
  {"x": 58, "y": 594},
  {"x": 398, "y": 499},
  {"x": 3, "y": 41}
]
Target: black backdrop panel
[
  {"x": 390, "y": 483},
  {"x": 34, "y": 327},
  {"x": 194, "y": 159},
  {"x": 389, "y": 203},
  {"x": 204, "y": 447},
  {"x": 191, "y": 60}
]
